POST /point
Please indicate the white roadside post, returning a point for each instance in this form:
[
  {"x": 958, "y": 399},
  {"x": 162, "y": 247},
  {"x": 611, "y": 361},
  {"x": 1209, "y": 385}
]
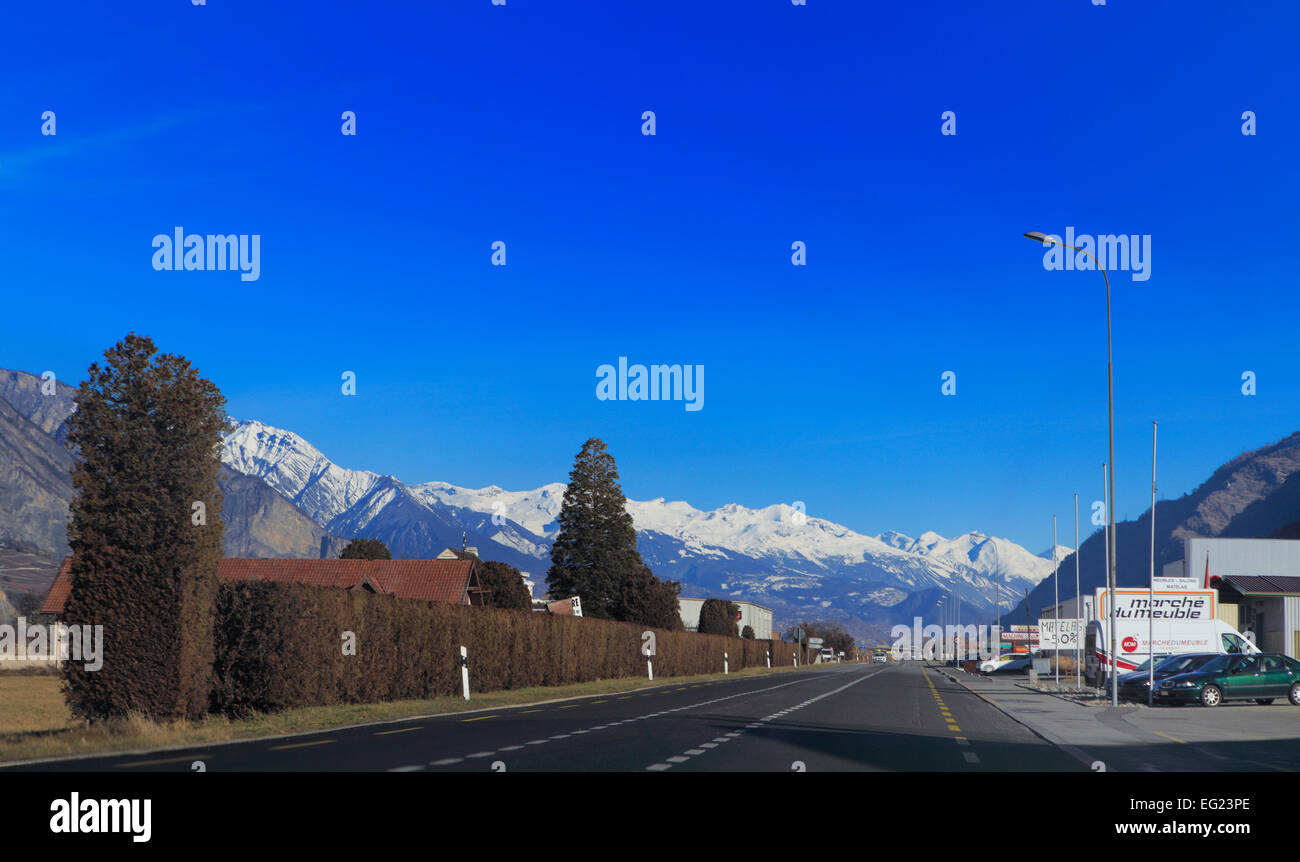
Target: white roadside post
[
  {"x": 724, "y": 664},
  {"x": 769, "y": 659},
  {"x": 648, "y": 642},
  {"x": 464, "y": 671}
]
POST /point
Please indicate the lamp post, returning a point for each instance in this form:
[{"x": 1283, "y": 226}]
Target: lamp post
[
  {"x": 997, "y": 589},
  {"x": 1110, "y": 506}
]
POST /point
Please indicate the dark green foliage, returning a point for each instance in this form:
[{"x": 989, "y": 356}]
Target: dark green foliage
[
  {"x": 832, "y": 633},
  {"x": 366, "y": 549},
  {"x": 648, "y": 601},
  {"x": 595, "y": 551},
  {"x": 718, "y": 617},
  {"x": 279, "y": 646},
  {"x": 505, "y": 586},
  {"x": 747, "y": 633},
  {"x": 147, "y": 430}
]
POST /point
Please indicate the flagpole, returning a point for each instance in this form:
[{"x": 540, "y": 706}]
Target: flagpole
[
  {"x": 1078, "y": 609},
  {"x": 1056, "y": 585},
  {"x": 1151, "y": 589}
]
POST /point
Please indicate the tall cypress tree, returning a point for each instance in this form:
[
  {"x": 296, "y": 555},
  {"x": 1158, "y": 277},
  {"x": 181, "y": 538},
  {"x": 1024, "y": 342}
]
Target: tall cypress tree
[
  {"x": 145, "y": 533},
  {"x": 595, "y": 551}
]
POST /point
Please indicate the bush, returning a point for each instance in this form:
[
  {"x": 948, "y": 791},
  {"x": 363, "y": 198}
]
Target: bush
[
  {"x": 747, "y": 633},
  {"x": 280, "y": 646}
]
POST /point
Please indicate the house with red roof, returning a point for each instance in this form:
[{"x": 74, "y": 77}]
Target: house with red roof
[{"x": 449, "y": 578}]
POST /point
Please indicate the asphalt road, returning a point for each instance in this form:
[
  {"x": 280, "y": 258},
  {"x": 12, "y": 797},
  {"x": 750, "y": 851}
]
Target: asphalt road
[{"x": 842, "y": 718}]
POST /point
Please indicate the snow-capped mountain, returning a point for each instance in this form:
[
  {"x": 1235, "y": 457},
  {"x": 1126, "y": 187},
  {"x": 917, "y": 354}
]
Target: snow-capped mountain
[{"x": 800, "y": 565}]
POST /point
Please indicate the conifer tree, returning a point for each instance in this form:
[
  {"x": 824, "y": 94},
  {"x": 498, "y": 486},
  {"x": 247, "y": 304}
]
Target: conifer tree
[
  {"x": 145, "y": 533},
  {"x": 595, "y": 551}
]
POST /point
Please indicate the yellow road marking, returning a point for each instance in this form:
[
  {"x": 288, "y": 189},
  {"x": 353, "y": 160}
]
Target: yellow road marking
[
  {"x": 301, "y": 745},
  {"x": 1167, "y": 736},
  {"x": 191, "y": 758},
  {"x": 400, "y": 730},
  {"x": 526, "y": 711},
  {"x": 479, "y": 718}
]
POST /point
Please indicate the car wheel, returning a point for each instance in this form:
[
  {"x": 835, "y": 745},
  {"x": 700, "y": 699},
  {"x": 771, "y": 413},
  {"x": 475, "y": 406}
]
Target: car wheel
[
  {"x": 1263, "y": 701},
  {"x": 1294, "y": 694},
  {"x": 1211, "y": 696}
]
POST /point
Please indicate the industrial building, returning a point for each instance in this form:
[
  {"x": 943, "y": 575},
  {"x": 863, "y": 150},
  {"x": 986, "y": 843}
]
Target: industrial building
[
  {"x": 1258, "y": 581},
  {"x": 756, "y": 616}
]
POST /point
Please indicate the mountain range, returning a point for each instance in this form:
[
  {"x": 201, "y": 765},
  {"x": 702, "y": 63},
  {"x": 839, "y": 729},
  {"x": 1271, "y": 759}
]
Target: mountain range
[{"x": 284, "y": 498}]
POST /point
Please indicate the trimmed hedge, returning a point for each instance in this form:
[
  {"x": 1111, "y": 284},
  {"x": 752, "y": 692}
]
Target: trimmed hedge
[{"x": 280, "y": 646}]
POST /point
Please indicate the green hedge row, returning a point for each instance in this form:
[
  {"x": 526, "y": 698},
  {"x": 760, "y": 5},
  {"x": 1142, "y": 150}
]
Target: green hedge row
[{"x": 280, "y": 646}]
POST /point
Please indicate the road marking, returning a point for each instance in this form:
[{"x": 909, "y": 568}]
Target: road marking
[
  {"x": 709, "y": 744},
  {"x": 191, "y": 757},
  {"x": 481, "y": 717},
  {"x": 511, "y": 747},
  {"x": 402, "y": 730},
  {"x": 961, "y": 740},
  {"x": 659, "y": 767},
  {"x": 537, "y": 742},
  {"x": 606, "y": 700},
  {"x": 406, "y": 769},
  {"x": 481, "y": 754},
  {"x": 570, "y": 706},
  {"x": 1167, "y": 736},
  {"x": 301, "y": 745},
  {"x": 560, "y": 736},
  {"x": 971, "y": 757},
  {"x": 526, "y": 711},
  {"x": 446, "y": 761}
]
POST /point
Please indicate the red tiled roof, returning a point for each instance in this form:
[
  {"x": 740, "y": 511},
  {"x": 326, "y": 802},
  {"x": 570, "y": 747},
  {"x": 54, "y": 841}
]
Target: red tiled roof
[
  {"x": 59, "y": 590},
  {"x": 452, "y": 581}
]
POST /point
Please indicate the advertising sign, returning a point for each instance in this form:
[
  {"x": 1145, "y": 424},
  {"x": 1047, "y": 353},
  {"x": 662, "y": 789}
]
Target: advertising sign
[{"x": 1063, "y": 634}]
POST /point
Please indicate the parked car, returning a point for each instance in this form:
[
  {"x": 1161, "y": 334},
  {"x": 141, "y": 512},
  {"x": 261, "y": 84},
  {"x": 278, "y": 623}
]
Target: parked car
[
  {"x": 1261, "y": 678},
  {"x": 1133, "y": 685},
  {"x": 1006, "y": 663}
]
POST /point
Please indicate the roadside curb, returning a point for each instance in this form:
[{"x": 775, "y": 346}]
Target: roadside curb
[{"x": 1042, "y": 733}]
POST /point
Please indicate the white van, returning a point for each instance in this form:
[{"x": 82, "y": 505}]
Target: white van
[{"x": 1184, "y": 622}]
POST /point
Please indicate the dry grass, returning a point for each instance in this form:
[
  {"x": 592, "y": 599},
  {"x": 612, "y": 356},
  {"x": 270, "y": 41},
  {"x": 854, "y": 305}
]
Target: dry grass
[{"x": 35, "y": 722}]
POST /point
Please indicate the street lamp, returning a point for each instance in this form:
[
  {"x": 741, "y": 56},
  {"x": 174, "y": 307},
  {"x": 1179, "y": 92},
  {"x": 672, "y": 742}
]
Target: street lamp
[
  {"x": 997, "y": 587},
  {"x": 1110, "y": 506}
]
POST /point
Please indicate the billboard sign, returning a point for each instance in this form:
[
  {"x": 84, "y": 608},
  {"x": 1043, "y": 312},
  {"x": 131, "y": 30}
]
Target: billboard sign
[{"x": 1061, "y": 634}]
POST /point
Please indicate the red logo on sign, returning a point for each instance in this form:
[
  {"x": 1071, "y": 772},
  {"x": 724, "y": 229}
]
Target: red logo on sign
[{"x": 1129, "y": 643}]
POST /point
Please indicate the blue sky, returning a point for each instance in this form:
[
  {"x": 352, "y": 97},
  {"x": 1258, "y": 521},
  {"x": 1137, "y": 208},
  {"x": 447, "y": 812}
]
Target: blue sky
[{"x": 775, "y": 123}]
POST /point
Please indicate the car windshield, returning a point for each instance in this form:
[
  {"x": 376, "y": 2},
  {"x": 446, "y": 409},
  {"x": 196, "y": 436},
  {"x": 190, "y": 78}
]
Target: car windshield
[{"x": 1182, "y": 663}]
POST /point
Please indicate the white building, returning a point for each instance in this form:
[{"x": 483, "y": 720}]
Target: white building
[
  {"x": 1258, "y": 581},
  {"x": 756, "y": 616}
]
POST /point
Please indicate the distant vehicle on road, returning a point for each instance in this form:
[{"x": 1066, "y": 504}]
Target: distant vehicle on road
[
  {"x": 828, "y": 654},
  {"x": 1007, "y": 663},
  {"x": 1261, "y": 678},
  {"x": 880, "y": 657},
  {"x": 1133, "y": 685}
]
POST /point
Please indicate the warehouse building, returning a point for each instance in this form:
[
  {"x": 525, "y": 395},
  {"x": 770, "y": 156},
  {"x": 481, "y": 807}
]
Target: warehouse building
[
  {"x": 756, "y": 616},
  {"x": 1258, "y": 582}
]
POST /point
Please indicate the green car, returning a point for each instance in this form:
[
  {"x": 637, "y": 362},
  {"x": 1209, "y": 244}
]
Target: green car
[{"x": 1260, "y": 678}]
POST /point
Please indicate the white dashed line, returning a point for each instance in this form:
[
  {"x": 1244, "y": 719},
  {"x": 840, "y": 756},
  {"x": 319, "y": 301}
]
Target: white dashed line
[
  {"x": 481, "y": 754},
  {"x": 511, "y": 747},
  {"x": 971, "y": 757},
  {"x": 406, "y": 769},
  {"x": 446, "y": 761}
]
